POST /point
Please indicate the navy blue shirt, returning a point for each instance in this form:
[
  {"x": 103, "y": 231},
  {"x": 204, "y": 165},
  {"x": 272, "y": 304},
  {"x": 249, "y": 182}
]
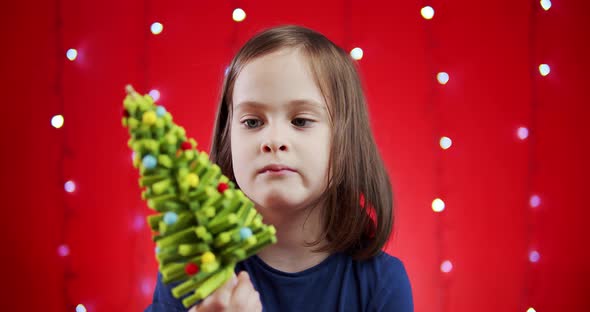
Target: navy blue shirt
[{"x": 338, "y": 283}]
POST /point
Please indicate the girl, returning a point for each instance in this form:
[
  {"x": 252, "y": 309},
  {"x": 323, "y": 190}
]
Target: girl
[{"x": 292, "y": 132}]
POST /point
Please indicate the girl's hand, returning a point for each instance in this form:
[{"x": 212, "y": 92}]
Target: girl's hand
[{"x": 237, "y": 294}]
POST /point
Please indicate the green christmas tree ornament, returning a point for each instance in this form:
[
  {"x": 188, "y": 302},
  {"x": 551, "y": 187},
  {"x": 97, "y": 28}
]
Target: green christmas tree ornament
[{"x": 203, "y": 225}]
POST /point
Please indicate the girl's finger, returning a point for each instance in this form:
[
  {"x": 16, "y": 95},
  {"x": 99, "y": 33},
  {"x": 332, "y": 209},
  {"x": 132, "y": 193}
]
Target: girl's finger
[
  {"x": 220, "y": 299},
  {"x": 243, "y": 293},
  {"x": 254, "y": 303}
]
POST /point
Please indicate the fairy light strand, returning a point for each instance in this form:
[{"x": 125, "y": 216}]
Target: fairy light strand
[
  {"x": 444, "y": 264},
  {"x": 532, "y": 167},
  {"x": 63, "y": 249}
]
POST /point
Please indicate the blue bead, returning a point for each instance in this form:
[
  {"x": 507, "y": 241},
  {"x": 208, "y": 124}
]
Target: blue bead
[
  {"x": 170, "y": 218},
  {"x": 245, "y": 233},
  {"x": 160, "y": 111},
  {"x": 149, "y": 162}
]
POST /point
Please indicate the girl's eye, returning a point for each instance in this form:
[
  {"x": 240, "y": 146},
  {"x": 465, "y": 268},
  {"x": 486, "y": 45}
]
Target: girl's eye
[
  {"x": 300, "y": 122},
  {"x": 251, "y": 123}
]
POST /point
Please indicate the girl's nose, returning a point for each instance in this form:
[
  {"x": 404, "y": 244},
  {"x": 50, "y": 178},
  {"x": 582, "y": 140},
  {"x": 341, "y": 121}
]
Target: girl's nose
[{"x": 272, "y": 146}]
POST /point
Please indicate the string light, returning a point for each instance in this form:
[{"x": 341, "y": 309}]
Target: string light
[
  {"x": 63, "y": 250},
  {"x": 80, "y": 308},
  {"x": 445, "y": 142},
  {"x": 157, "y": 28},
  {"x": 534, "y": 256},
  {"x": 155, "y": 94},
  {"x": 438, "y": 205},
  {"x": 446, "y": 266},
  {"x": 72, "y": 54},
  {"x": 427, "y": 12},
  {"x": 535, "y": 201},
  {"x": 70, "y": 186},
  {"x": 146, "y": 287},
  {"x": 57, "y": 121},
  {"x": 357, "y": 53},
  {"x": 238, "y": 15},
  {"x": 522, "y": 133},
  {"x": 442, "y": 78},
  {"x": 544, "y": 69},
  {"x": 138, "y": 223}
]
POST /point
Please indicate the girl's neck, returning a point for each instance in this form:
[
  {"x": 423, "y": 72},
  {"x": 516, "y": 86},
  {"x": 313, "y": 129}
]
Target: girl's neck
[{"x": 291, "y": 254}]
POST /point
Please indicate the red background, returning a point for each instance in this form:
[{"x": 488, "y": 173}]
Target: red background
[{"x": 491, "y": 50}]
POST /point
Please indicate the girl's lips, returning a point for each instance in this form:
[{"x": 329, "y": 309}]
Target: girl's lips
[
  {"x": 276, "y": 168},
  {"x": 277, "y": 172}
]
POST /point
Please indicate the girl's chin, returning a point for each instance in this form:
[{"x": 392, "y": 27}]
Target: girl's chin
[{"x": 277, "y": 202}]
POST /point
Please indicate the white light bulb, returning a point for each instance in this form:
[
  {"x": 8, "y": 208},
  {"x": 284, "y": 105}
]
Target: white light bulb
[
  {"x": 146, "y": 287},
  {"x": 157, "y": 28},
  {"x": 155, "y": 94},
  {"x": 522, "y": 133},
  {"x": 80, "y": 308},
  {"x": 534, "y": 256},
  {"x": 226, "y": 70},
  {"x": 71, "y": 54},
  {"x": 239, "y": 15},
  {"x": 438, "y": 205},
  {"x": 531, "y": 309},
  {"x": 356, "y": 53},
  {"x": 546, "y": 4},
  {"x": 63, "y": 250},
  {"x": 445, "y": 142},
  {"x": 427, "y": 12},
  {"x": 70, "y": 186},
  {"x": 544, "y": 69},
  {"x": 446, "y": 266},
  {"x": 535, "y": 201},
  {"x": 138, "y": 222},
  {"x": 442, "y": 78},
  {"x": 57, "y": 121}
]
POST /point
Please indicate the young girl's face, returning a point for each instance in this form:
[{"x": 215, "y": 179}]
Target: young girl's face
[{"x": 280, "y": 133}]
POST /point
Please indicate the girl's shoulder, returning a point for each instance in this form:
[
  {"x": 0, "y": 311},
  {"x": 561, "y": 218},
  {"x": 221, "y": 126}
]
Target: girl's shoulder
[
  {"x": 383, "y": 263},
  {"x": 391, "y": 285}
]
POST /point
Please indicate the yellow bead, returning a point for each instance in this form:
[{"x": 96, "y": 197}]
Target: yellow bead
[
  {"x": 207, "y": 257},
  {"x": 193, "y": 179},
  {"x": 149, "y": 118}
]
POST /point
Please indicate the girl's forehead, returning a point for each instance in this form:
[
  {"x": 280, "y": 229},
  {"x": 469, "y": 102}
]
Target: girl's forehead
[
  {"x": 282, "y": 77},
  {"x": 308, "y": 104}
]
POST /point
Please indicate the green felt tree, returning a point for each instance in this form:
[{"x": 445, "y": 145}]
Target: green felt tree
[{"x": 203, "y": 224}]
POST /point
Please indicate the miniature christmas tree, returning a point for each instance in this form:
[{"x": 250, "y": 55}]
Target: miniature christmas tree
[{"x": 203, "y": 224}]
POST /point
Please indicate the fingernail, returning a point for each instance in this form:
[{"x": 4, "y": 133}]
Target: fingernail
[{"x": 234, "y": 280}]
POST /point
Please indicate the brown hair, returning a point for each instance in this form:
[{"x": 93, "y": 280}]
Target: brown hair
[{"x": 358, "y": 201}]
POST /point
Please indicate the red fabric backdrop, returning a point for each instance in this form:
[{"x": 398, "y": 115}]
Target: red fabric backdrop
[{"x": 491, "y": 50}]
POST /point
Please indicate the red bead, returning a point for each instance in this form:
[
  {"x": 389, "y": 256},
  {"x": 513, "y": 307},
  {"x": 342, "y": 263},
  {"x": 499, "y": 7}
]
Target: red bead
[
  {"x": 221, "y": 187},
  {"x": 125, "y": 113},
  {"x": 186, "y": 145},
  {"x": 191, "y": 269}
]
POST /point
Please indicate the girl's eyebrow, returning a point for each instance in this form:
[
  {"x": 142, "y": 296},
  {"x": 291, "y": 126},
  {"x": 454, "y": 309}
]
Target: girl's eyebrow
[{"x": 302, "y": 102}]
